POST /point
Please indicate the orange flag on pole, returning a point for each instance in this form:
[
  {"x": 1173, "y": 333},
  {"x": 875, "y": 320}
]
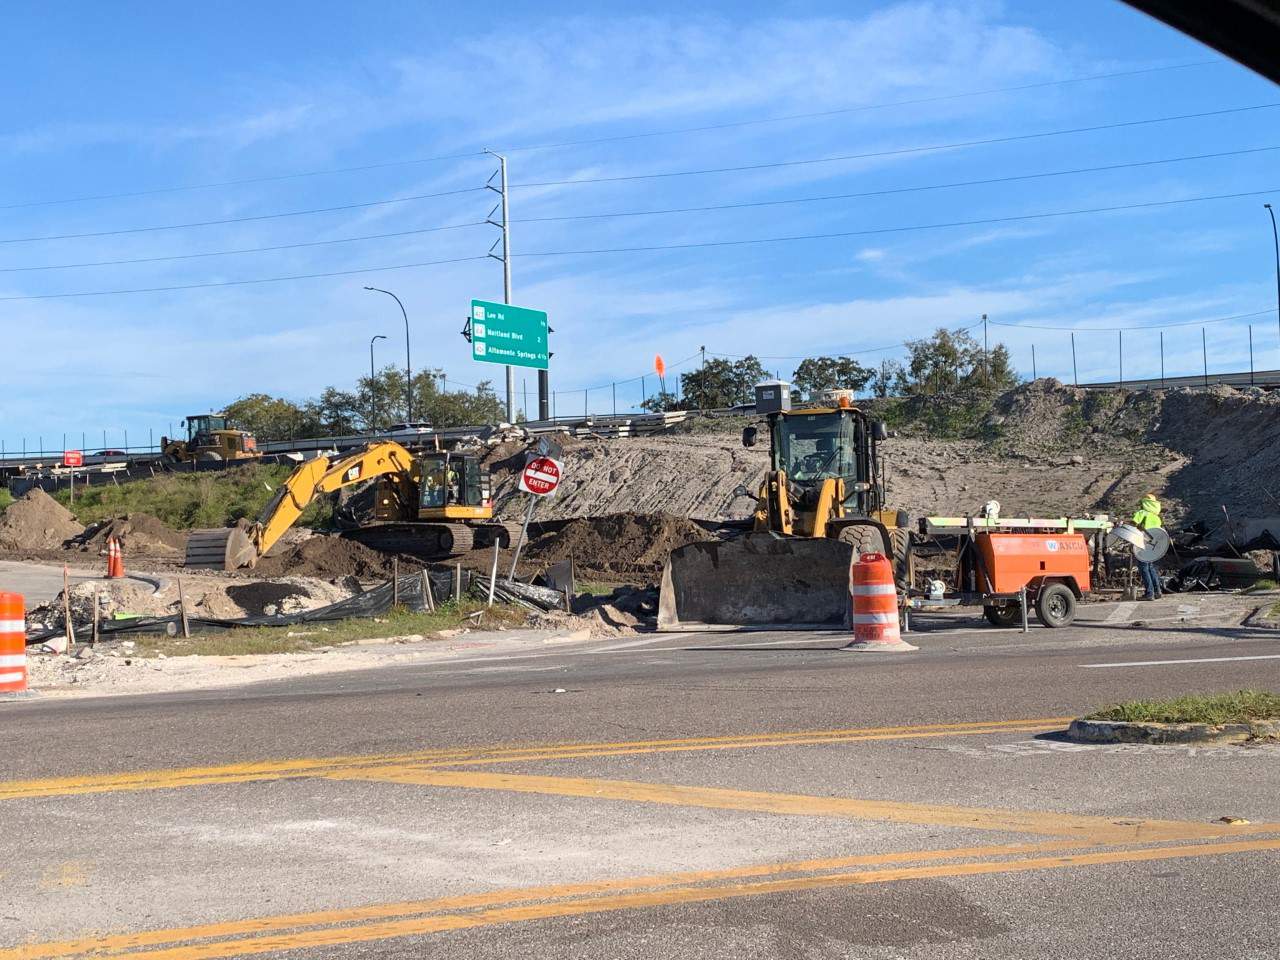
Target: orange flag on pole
[{"x": 659, "y": 366}]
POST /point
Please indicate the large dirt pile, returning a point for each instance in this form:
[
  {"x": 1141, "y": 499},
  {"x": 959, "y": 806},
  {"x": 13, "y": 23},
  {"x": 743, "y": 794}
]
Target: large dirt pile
[
  {"x": 37, "y": 522},
  {"x": 620, "y": 543},
  {"x": 323, "y": 556}
]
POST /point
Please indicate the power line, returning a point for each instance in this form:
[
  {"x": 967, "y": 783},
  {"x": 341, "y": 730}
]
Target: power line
[
  {"x": 228, "y": 253},
  {"x": 867, "y": 107},
  {"x": 274, "y": 178},
  {"x": 895, "y": 190},
  {"x": 1152, "y": 326},
  {"x": 333, "y": 171},
  {"x": 672, "y": 246},
  {"x": 241, "y": 283},
  {"x": 883, "y": 230},
  {"x": 900, "y": 151},
  {"x": 838, "y": 353},
  {"x": 249, "y": 219},
  {"x": 643, "y": 213}
]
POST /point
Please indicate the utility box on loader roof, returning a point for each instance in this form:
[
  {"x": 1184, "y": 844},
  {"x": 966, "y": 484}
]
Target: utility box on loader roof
[{"x": 773, "y": 396}]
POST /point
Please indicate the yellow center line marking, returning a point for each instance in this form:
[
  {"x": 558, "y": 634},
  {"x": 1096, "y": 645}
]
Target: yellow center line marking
[
  {"x": 112, "y": 944},
  {"x": 1044, "y": 823},
  {"x": 309, "y": 767},
  {"x": 390, "y": 929}
]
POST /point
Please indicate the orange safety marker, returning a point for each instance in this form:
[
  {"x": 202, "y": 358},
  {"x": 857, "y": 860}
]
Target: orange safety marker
[
  {"x": 115, "y": 559},
  {"x": 13, "y": 644},
  {"x": 875, "y": 605}
]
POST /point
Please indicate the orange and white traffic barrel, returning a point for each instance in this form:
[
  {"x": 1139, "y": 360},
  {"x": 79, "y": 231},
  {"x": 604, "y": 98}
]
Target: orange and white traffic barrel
[
  {"x": 875, "y": 605},
  {"x": 13, "y": 644}
]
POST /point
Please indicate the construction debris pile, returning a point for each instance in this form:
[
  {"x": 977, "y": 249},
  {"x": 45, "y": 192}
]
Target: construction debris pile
[{"x": 140, "y": 534}]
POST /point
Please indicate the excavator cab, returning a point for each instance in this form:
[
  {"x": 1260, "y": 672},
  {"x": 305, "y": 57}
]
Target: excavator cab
[{"x": 453, "y": 486}]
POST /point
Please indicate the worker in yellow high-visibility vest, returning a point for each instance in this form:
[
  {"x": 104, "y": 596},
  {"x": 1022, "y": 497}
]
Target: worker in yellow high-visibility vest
[{"x": 1147, "y": 517}]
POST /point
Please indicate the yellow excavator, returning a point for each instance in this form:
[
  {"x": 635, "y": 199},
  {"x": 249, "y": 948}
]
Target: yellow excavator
[
  {"x": 820, "y": 504},
  {"x": 434, "y": 506}
]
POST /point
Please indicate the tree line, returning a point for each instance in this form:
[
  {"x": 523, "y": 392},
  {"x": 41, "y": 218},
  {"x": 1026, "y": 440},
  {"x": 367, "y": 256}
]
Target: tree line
[
  {"x": 373, "y": 405},
  {"x": 949, "y": 362}
]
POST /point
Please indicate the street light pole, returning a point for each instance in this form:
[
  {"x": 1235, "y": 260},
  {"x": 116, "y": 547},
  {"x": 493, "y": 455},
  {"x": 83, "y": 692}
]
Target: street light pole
[
  {"x": 373, "y": 390},
  {"x": 1275, "y": 236},
  {"x": 408, "y": 367}
]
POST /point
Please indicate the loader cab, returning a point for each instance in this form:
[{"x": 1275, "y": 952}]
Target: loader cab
[
  {"x": 453, "y": 486},
  {"x": 200, "y": 428},
  {"x": 811, "y": 445}
]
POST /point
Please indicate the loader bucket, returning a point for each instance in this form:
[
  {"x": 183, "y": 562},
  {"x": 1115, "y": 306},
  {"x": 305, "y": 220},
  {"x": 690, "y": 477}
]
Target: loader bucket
[
  {"x": 761, "y": 581},
  {"x": 228, "y": 548}
]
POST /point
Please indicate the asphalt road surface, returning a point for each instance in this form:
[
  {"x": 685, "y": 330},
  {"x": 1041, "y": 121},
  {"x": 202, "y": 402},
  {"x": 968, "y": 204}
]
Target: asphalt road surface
[{"x": 751, "y": 795}]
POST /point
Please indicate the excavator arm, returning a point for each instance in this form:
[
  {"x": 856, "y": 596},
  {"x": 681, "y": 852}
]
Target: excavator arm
[{"x": 235, "y": 547}]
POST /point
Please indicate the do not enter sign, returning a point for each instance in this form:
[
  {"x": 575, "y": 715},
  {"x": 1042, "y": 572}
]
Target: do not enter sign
[{"x": 541, "y": 476}]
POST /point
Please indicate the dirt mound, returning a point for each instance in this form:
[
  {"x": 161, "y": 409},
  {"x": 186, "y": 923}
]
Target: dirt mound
[
  {"x": 616, "y": 543},
  {"x": 265, "y": 596},
  {"x": 37, "y": 522},
  {"x": 323, "y": 556},
  {"x": 140, "y": 534}
]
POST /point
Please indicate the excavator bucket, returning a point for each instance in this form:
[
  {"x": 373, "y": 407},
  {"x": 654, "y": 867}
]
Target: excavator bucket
[
  {"x": 761, "y": 581},
  {"x": 228, "y": 548}
]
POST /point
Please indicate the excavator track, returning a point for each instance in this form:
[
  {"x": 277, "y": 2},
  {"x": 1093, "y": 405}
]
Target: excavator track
[{"x": 427, "y": 541}]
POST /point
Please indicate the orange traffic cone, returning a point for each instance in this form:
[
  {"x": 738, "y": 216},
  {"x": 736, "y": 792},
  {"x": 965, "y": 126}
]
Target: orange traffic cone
[
  {"x": 875, "y": 605},
  {"x": 115, "y": 559}
]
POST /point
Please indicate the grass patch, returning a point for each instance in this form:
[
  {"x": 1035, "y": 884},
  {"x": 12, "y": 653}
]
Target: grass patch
[
  {"x": 308, "y": 636},
  {"x": 187, "y": 500},
  {"x": 6, "y": 498},
  {"x": 1239, "y": 707},
  {"x": 596, "y": 588},
  {"x": 1264, "y": 584}
]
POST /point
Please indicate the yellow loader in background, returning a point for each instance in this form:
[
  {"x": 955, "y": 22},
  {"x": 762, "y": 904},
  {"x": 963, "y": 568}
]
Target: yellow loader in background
[
  {"x": 434, "y": 506},
  {"x": 820, "y": 504},
  {"x": 210, "y": 437}
]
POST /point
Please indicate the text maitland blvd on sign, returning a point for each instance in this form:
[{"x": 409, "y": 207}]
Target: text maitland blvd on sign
[{"x": 501, "y": 333}]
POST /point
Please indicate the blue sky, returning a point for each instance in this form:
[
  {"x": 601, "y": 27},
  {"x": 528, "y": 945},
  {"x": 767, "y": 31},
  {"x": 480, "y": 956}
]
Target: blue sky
[{"x": 142, "y": 97}]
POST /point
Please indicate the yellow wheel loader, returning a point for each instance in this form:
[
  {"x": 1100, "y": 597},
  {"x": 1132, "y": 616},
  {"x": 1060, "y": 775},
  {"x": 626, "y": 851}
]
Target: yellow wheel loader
[
  {"x": 820, "y": 504},
  {"x": 434, "y": 506},
  {"x": 210, "y": 437}
]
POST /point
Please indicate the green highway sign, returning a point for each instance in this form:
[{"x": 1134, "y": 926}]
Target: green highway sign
[{"x": 501, "y": 333}]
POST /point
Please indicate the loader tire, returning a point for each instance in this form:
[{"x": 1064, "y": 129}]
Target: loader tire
[
  {"x": 900, "y": 538},
  {"x": 865, "y": 538}
]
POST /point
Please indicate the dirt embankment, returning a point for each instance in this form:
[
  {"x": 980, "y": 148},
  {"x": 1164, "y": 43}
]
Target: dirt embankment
[{"x": 689, "y": 476}]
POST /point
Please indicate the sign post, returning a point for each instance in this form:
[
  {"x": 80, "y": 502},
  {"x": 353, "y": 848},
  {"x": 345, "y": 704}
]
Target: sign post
[
  {"x": 73, "y": 459},
  {"x": 540, "y": 477}
]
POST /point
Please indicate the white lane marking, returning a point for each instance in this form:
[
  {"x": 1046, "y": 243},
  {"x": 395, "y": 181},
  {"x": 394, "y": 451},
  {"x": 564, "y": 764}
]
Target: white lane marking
[
  {"x": 646, "y": 642},
  {"x": 1121, "y": 612},
  {"x": 1162, "y": 663}
]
